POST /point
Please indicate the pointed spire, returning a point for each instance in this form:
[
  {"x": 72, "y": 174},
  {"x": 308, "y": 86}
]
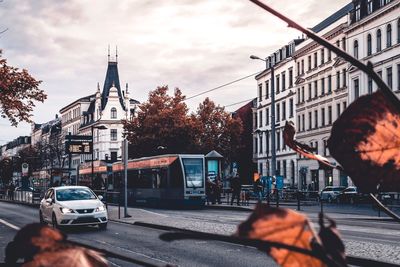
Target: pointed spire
[
  {"x": 116, "y": 53},
  {"x": 108, "y": 53},
  {"x": 98, "y": 87},
  {"x": 126, "y": 88}
]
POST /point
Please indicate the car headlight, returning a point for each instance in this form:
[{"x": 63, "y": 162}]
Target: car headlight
[
  {"x": 101, "y": 208},
  {"x": 66, "y": 210}
]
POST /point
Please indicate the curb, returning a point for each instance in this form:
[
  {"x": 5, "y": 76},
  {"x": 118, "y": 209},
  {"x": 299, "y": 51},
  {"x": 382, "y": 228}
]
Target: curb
[
  {"x": 238, "y": 208},
  {"x": 154, "y": 226},
  {"x": 33, "y": 205}
]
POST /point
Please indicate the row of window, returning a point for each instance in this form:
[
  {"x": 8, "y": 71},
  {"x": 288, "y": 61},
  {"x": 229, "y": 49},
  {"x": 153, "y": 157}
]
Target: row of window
[
  {"x": 280, "y": 113},
  {"x": 377, "y": 44},
  {"x": 282, "y": 168},
  {"x": 318, "y": 59},
  {"x": 259, "y": 142},
  {"x": 370, "y": 84},
  {"x": 322, "y": 86},
  {"x": 72, "y": 114},
  {"x": 319, "y": 117},
  {"x": 280, "y": 84},
  {"x": 363, "y": 8}
]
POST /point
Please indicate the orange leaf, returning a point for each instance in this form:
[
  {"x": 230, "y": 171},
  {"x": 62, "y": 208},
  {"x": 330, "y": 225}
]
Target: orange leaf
[
  {"x": 303, "y": 149},
  {"x": 284, "y": 226},
  {"x": 365, "y": 140}
]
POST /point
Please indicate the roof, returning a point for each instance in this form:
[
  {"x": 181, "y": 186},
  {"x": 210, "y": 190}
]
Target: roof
[
  {"x": 85, "y": 98},
  {"x": 214, "y": 154},
  {"x": 333, "y": 18},
  {"x": 112, "y": 79},
  {"x": 91, "y": 107},
  {"x": 133, "y": 101}
]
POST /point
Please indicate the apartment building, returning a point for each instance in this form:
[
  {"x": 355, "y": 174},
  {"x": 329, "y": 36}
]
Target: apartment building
[
  {"x": 322, "y": 95},
  {"x": 374, "y": 36}
]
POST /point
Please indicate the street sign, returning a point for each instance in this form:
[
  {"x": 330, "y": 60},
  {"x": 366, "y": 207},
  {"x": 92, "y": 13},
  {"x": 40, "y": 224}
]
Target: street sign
[
  {"x": 74, "y": 147},
  {"x": 79, "y": 144},
  {"x": 25, "y": 169}
]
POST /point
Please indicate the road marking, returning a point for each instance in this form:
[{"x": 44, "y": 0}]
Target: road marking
[
  {"x": 12, "y": 226},
  {"x": 155, "y": 213},
  {"x": 122, "y": 249}
]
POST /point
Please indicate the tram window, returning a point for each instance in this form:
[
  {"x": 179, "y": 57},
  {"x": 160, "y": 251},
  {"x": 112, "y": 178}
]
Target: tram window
[
  {"x": 163, "y": 176},
  {"x": 132, "y": 178},
  {"x": 175, "y": 177},
  {"x": 145, "y": 179},
  {"x": 118, "y": 180},
  {"x": 193, "y": 172}
]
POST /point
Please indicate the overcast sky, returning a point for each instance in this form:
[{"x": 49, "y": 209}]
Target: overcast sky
[{"x": 195, "y": 45}]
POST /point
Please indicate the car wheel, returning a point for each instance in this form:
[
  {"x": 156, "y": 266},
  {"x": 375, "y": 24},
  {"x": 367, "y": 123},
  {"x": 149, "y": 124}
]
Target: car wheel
[
  {"x": 54, "y": 221},
  {"x": 103, "y": 226},
  {"x": 41, "y": 218}
]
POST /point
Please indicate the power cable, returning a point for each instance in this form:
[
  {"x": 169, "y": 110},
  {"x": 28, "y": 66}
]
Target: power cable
[{"x": 221, "y": 86}]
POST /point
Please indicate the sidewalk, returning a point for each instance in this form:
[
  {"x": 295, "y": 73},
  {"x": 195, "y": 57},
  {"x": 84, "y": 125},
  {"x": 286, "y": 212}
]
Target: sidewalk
[
  {"x": 227, "y": 224},
  {"x": 341, "y": 210}
]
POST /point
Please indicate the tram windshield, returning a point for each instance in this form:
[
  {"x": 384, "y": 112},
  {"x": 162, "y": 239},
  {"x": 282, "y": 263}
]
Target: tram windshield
[{"x": 193, "y": 172}]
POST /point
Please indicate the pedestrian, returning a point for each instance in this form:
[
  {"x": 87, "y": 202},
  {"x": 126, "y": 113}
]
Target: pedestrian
[
  {"x": 258, "y": 189},
  {"x": 11, "y": 190},
  {"x": 218, "y": 189},
  {"x": 236, "y": 187},
  {"x": 208, "y": 190}
]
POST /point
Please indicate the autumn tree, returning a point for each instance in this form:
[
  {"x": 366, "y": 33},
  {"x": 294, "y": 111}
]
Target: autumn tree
[
  {"x": 217, "y": 130},
  {"x": 6, "y": 170},
  {"x": 18, "y": 93},
  {"x": 162, "y": 125}
]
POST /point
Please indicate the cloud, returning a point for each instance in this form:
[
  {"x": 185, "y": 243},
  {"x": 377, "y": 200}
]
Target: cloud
[{"x": 195, "y": 45}]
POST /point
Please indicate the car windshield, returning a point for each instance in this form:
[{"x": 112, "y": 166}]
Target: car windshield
[
  {"x": 338, "y": 189},
  {"x": 74, "y": 194}
]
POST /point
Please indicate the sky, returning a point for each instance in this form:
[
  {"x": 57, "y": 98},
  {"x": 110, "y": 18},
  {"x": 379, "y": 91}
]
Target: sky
[{"x": 195, "y": 45}]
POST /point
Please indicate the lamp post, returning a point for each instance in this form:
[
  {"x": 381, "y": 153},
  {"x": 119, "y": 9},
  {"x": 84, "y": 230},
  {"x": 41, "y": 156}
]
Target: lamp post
[
  {"x": 269, "y": 65},
  {"x": 100, "y": 127}
]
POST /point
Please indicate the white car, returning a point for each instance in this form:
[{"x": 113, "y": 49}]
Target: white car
[
  {"x": 72, "y": 205},
  {"x": 330, "y": 193}
]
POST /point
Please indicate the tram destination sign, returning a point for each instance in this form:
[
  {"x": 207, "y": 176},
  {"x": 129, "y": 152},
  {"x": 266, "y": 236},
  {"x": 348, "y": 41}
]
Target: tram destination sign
[{"x": 78, "y": 144}]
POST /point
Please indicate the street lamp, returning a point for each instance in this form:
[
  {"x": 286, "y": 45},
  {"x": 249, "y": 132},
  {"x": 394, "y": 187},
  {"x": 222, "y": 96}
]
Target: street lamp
[
  {"x": 269, "y": 65},
  {"x": 100, "y": 127}
]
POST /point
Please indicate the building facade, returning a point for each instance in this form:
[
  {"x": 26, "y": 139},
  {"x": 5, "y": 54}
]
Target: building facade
[
  {"x": 102, "y": 114},
  {"x": 322, "y": 95},
  {"x": 374, "y": 36},
  {"x": 282, "y": 66},
  {"x": 318, "y": 85}
]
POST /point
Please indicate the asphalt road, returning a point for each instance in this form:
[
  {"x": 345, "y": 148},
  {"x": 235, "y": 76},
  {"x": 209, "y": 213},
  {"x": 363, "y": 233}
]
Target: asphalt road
[{"x": 139, "y": 242}]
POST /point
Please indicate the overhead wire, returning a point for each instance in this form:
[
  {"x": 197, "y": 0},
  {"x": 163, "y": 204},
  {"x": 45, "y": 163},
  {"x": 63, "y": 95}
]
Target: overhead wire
[{"x": 223, "y": 85}]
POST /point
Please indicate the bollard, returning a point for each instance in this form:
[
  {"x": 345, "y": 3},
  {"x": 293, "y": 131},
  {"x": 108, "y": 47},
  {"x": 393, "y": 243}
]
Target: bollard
[
  {"x": 277, "y": 198},
  {"x": 322, "y": 205},
  {"x": 379, "y": 211},
  {"x": 298, "y": 200},
  {"x": 119, "y": 209}
]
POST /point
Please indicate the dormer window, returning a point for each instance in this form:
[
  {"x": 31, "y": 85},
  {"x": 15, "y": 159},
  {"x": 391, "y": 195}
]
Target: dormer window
[{"x": 113, "y": 113}]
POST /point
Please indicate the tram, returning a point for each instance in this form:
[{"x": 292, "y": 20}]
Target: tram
[
  {"x": 164, "y": 180},
  {"x": 101, "y": 178}
]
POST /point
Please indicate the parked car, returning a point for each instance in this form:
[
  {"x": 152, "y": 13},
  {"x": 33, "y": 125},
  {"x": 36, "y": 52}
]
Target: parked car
[
  {"x": 330, "y": 193},
  {"x": 352, "y": 195},
  {"x": 72, "y": 205}
]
